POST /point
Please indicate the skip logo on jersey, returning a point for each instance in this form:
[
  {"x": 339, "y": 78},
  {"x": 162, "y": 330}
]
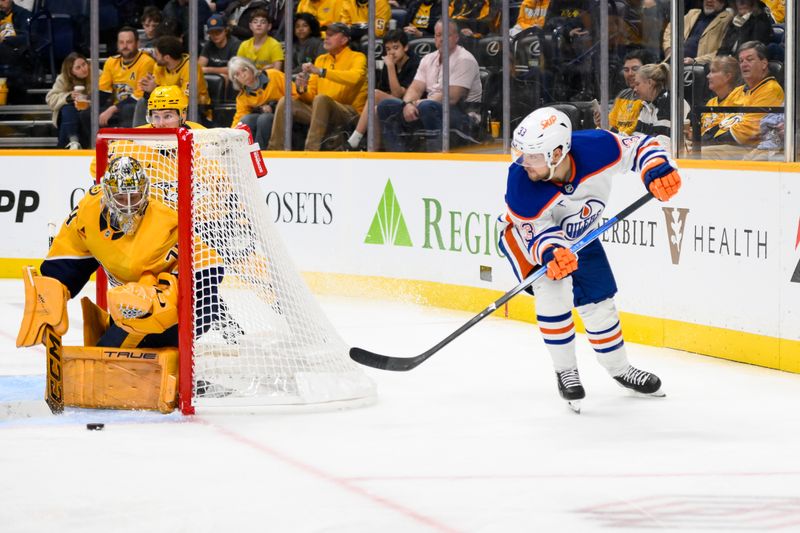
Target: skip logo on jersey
[{"x": 576, "y": 225}]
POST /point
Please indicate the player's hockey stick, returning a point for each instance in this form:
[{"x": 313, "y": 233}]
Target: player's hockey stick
[{"x": 387, "y": 362}]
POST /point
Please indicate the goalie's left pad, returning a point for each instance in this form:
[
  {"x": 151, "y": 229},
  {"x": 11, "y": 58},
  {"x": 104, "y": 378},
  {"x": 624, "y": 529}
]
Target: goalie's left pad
[
  {"x": 147, "y": 306},
  {"x": 45, "y": 305}
]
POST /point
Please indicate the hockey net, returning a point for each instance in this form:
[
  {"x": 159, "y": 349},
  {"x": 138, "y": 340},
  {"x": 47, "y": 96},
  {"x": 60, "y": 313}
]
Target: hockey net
[{"x": 251, "y": 333}]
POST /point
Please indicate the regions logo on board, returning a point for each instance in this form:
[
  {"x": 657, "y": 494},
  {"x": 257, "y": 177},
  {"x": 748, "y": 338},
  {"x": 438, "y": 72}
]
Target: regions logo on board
[{"x": 388, "y": 225}]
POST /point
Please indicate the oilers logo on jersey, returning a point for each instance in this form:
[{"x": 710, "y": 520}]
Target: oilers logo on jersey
[{"x": 577, "y": 224}]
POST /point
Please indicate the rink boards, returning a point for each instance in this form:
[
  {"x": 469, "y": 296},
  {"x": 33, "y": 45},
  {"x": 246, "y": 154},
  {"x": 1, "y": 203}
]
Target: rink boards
[{"x": 714, "y": 271}]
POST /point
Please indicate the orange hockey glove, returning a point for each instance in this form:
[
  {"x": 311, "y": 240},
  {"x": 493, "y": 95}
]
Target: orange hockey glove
[
  {"x": 562, "y": 264},
  {"x": 666, "y": 187},
  {"x": 661, "y": 179}
]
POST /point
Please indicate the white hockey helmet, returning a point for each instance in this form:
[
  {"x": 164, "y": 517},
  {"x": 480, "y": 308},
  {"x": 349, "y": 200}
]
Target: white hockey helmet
[
  {"x": 538, "y": 136},
  {"x": 126, "y": 188}
]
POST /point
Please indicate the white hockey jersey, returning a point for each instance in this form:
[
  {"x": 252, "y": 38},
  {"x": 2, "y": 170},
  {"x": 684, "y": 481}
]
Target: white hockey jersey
[{"x": 543, "y": 213}]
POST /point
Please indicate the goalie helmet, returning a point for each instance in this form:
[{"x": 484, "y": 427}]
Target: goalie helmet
[
  {"x": 168, "y": 97},
  {"x": 537, "y": 137},
  {"x": 125, "y": 192}
]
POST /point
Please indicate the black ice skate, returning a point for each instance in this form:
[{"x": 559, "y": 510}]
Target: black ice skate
[
  {"x": 570, "y": 388},
  {"x": 640, "y": 382}
]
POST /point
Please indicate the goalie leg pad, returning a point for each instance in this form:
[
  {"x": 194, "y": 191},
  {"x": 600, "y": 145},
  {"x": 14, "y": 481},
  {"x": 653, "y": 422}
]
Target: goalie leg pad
[
  {"x": 145, "y": 308},
  {"x": 121, "y": 378},
  {"x": 45, "y": 305}
]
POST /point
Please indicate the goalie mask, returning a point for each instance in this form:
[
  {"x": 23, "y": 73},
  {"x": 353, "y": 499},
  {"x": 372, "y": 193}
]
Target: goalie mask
[
  {"x": 125, "y": 192},
  {"x": 537, "y": 137}
]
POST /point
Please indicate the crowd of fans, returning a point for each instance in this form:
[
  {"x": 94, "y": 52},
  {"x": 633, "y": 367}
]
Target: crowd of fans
[{"x": 732, "y": 41}]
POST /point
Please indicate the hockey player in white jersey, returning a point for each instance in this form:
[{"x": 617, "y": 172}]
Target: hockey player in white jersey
[{"x": 558, "y": 186}]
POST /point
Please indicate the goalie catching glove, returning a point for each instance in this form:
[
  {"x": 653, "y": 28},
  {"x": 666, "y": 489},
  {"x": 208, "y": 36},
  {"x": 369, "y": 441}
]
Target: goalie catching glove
[
  {"x": 560, "y": 261},
  {"x": 148, "y": 306},
  {"x": 661, "y": 179}
]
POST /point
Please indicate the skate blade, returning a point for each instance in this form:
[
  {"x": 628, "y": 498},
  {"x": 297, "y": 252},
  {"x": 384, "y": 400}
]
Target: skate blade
[
  {"x": 574, "y": 405},
  {"x": 657, "y": 394}
]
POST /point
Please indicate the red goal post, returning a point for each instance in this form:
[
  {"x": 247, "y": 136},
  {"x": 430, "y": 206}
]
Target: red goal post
[{"x": 255, "y": 335}]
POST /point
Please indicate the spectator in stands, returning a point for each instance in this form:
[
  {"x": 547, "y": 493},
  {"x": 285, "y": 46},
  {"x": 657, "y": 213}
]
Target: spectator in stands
[
  {"x": 703, "y": 30},
  {"x": 421, "y": 105},
  {"x": 259, "y": 92},
  {"x": 474, "y": 18},
  {"x": 308, "y": 43},
  {"x": 652, "y": 86},
  {"x": 71, "y": 112},
  {"x": 119, "y": 83},
  {"x": 332, "y": 91},
  {"x": 13, "y": 42},
  {"x": 151, "y": 20},
  {"x": 172, "y": 68},
  {"x": 751, "y": 23},
  {"x": 326, "y": 11},
  {"x": 655, "y": 16},
  {"x": 355, "y": 13},
  {"x": 176, "y": 17},
  {"x": 396, "y": 75},
  {"x": 262, "y": 49},
  {"x": 235, "y": 9},
  {"x": 627, "y": 105},
  {"x": 760, "y": 89},
  {"x": 422, "y": 16},
  {"x": 723, "y": 80},
  {"x": 777, "y": 10},
  {"x": 219, "y": 49},
  {"x": 238, "y": 14},
  {"x": 642, "y": 23},
  {"x": 531, "y": 14}
]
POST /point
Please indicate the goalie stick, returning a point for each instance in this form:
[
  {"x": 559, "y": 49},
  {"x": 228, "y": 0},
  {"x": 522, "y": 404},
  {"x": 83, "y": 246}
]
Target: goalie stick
[{"x": 388, "y": 362}]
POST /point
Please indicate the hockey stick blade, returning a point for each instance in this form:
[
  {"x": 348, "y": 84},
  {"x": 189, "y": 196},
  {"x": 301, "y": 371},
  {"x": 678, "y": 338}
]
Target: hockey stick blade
[{"x": 401, "y": 364}]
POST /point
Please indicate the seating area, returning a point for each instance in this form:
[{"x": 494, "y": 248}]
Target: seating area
[{"x": 546, "y": 68}]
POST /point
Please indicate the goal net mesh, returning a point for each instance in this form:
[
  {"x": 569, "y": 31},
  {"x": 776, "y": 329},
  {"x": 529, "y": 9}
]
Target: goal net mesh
[{"x": 260, "y": 337}]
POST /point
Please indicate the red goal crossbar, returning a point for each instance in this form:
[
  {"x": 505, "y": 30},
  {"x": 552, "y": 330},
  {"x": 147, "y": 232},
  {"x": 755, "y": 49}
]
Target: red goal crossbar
[{"x": 184, "y": 138}]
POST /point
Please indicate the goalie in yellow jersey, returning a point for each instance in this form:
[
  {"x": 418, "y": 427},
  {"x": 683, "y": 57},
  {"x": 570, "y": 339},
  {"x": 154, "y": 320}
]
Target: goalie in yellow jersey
[{"x": 133, "y": 236}]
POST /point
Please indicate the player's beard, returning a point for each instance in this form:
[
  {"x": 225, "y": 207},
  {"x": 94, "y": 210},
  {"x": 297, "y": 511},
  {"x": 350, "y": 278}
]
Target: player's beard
[{"x": 534, "y": 175}]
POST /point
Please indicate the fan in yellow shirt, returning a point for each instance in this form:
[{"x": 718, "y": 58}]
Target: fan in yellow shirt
[
  {"x": 261, "y": 49},
  {"x": 356, "y": 12},
  {"x": 119, "y": 82},
  {"x": 332, "y": 91},
  {"x": 326, "y": 11}
]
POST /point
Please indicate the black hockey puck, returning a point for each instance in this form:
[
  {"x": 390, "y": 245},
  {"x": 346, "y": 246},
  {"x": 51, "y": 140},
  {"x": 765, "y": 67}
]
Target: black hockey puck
[{"x": 95, "y": 427}]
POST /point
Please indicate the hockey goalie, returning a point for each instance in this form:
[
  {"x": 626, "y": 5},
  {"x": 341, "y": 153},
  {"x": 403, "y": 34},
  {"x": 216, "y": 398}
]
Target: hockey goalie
[
  {"x": 251, "y": 333},
  {"x": 117, "y": 225}
]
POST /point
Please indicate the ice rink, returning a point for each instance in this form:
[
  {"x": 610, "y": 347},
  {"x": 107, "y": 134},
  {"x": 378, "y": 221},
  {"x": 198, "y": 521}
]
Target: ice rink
[{"x": 474, "y": 440}]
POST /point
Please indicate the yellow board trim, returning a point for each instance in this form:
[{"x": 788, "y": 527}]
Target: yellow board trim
[
  {"x": 712, "y": 164},
  {"x": 750, "y": 348}
]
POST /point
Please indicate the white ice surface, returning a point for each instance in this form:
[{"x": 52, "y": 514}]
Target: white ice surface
[{"x": 474, "y": 440}]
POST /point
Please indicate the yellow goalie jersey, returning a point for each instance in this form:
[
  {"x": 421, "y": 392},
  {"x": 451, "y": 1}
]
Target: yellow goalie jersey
[{"x": 87, "y": 240}]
